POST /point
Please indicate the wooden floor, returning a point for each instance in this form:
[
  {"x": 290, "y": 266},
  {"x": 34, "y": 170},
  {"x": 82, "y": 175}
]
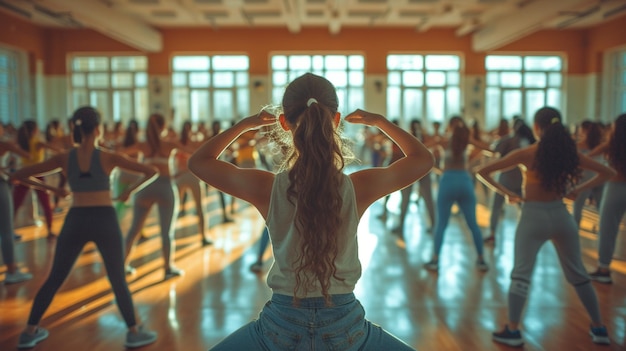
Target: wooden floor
[{"x": 455, "y": 310}]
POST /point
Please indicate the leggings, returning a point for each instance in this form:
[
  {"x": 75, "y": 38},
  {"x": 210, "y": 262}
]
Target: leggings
[
  {"x": 160, "y": 192},
  {"x": 511, "y": 181},
  {"x": 541, "y": 222},
  {"x": 19, "y": 193},
  {"x": 579, "y": 203},
  {"x": 265, "y": 241},
  {"x": 186, "y": 181},
  {"x": 456, "y": 186},
  {"x": 612, "y": 209},
  {"x": 312, "y": 326},
  {"x": 6, "y": 223},
  {"x": 82, "y": 225},
  {"x": 426, "y": 193}
]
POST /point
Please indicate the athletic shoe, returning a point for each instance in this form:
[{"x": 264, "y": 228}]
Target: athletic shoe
[
  {"x": 206, "y": 242},
  {"x": 599, "y": 335},
  {"x": 482, "y": 266},
  {"x": 256, "y": 267},
  {"x": 508, "y": 337},
  {"x": 601, "y": 276},
  {"x": 227, "y": 220},
  {"x": 173, "y": 272},
  {"x": 432, "y": 266},
  {"x": 17, "y": 277},
  {"x": 140, "y": 338},
  {"x": 28, "y": 340},
  {"x": 129, "y": 270},
  {"x": 17, "y": 237}
]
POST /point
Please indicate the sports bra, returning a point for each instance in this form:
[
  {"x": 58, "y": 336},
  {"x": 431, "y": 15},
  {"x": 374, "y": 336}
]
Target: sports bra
[{"x": 95, "y": 179}]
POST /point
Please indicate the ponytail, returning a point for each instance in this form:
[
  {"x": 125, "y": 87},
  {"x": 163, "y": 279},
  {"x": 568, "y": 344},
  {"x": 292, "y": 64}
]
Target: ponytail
[
  {"x": 310, "y": 104},
  {"x": 84, "y": 121},
  {"x": 556, "y": 159}
]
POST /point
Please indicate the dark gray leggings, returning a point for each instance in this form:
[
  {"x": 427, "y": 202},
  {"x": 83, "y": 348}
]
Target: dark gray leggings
[
  {"x": 6, "y": 223},
  {"x": 82, "y": 225}
]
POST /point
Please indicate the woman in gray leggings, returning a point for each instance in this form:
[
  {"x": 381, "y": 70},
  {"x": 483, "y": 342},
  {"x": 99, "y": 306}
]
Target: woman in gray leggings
[
  {"x": 158, "y": 153},
  {"x": 13, "y": 275},
  {"x": 613, "y": 204},
  {"x": 551, "y": 168}
]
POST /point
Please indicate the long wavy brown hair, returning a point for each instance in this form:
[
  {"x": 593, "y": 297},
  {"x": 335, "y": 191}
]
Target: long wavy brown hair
[
  {"x": 156, "y": 123},
  {"x": 315, "y": 172}
]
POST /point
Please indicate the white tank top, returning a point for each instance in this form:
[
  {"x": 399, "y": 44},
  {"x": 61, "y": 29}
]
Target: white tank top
[{"x": 285, "y": 242}]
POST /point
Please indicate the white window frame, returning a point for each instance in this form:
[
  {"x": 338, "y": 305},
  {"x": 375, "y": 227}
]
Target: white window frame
[
  {"x": 448, "y": 87},
  {"x": 492, "y": 121},
  {"x": 16, "y": 89},
  {"x": 138, "y": 88}
]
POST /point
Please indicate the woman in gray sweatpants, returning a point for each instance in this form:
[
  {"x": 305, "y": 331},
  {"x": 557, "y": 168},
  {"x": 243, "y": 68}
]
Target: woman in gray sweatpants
[
  {"x": 613, "y": 204},
  {"x": 552, "y": 167}
]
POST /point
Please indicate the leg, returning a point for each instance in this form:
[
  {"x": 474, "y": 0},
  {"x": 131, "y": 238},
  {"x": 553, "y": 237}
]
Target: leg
[
  {"x": 612, "y": 210},
  {"x": 467, "y": 203},
  {"x": 198, "y": 196},
  {"x": 445, "y": 198},
  {"x": 69, "y": 246},
  {"x": 167, "y": 205},
  {"x": 265, "y": 240},
  {"x": 141, "y": 209},
  {"x": 6, "y": 227},
  {"x": 567, "y": 246},
  {"x": 530, "y": 235},
  {"x": 108, "y": 239},
  {"x": 579, "y": 203},
  {"x": 19, "y": 194},
  {"x": 245, "y": 338},
  {"x": 426, "y": 193},
  {"x": 44, "y": 201}
]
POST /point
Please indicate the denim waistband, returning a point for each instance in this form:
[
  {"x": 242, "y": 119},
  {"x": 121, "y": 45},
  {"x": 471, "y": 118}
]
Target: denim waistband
[{"x": 314, "y": 302}]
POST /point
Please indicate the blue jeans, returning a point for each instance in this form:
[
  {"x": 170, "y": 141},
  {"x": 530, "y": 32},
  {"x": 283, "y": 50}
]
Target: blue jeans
[
  {"x": 456, "y": 186},
  {"x": 311, "y": 326}
]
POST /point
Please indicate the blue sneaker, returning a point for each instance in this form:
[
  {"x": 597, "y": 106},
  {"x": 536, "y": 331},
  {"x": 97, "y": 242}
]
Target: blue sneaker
[
  {"x": 508, "y": 337},
  {"x": 28, "y": 340},
  {"x": 140, "y": 338},
  {"x": 599, "y": 335}
]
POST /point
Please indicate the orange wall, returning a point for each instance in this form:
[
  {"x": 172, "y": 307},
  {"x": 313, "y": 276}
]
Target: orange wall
[
  {"x": 22, "y": 35},
  {"x": 584, "y": 47},
  {"x": 604, "y": 37}
]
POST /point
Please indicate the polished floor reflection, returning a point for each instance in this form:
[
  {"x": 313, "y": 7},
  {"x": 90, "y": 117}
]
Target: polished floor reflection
[{"x": 454, "y": 310}]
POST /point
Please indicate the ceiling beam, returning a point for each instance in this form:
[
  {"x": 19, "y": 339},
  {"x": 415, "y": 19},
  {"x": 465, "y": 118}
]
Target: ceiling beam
[
  {"x": 520, "y": 23},
  {"x": 112, "y": 23}
]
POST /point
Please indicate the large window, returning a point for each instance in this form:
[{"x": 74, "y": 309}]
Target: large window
[
  {"x": 210, "y": 88},
  {"x": 346, "y": 72},
  {"x": 617, "y": 99},
  {"x": 10, "y": 97},
  {"x": 116, "y": 86},
  {"x": 425, "y": 87},
  {"x": 520, "y": 85}
]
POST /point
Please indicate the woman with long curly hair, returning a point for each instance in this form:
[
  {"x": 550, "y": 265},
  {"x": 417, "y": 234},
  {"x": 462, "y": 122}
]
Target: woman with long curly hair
[
  {"x": 312, "y": 210},
  {"x": 551, "y": 170},
  {"x": 613, "y": 204}
]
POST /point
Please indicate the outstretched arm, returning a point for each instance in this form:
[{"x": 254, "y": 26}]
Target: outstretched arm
[
  {"x": 26, "y": 175},
  {"x": 372, "y": 184},
  {"x": 251, "y": 185}
]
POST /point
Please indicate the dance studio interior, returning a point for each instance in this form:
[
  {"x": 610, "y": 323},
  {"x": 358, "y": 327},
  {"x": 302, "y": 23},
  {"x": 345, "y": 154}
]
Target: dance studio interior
[{"x": 436, "y": 270}]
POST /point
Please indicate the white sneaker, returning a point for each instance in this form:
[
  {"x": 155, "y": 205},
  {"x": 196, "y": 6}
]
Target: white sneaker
[
  {"x": 17, "y": 277},
  {"x": 140, "y": 338},
  {"x": 28, "y": 340}
]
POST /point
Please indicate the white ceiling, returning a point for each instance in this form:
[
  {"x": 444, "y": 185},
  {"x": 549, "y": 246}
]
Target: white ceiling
[{"x": 491, "y": 21}]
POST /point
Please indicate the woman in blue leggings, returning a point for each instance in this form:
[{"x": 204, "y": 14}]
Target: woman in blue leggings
[
  {"x": 91, "y": 218},
  {"x": 456, "y": 186},
  {"x": 551, "y": 170}
]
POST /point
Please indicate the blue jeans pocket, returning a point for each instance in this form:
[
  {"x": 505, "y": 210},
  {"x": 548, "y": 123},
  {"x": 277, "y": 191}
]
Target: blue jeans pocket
[
  {"x": 277, "y": 336},
  {"x": 346, "y": 334}
]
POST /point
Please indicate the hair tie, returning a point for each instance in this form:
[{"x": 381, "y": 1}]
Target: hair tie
[
  {"x": 554, "y": 120},
  {"x": 311, "y": 101},
  {"x": 78, "y": 122}
]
